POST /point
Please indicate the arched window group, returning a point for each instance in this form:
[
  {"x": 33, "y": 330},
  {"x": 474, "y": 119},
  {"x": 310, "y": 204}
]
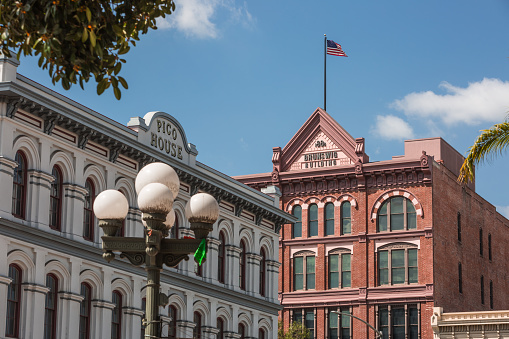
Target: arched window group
[{"x": 329, "y": 220}]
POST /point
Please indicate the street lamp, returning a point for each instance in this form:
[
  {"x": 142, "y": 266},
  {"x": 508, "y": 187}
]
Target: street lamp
[
  {"x": 347, "y": 314},
  {"x": 157, "y": 185}
]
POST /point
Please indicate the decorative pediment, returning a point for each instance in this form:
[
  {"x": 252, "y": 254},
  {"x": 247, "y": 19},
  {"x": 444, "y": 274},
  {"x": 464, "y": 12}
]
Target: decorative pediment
[
  {"x": 321, "y": 152},
  {"x": 320, "y": 143}
]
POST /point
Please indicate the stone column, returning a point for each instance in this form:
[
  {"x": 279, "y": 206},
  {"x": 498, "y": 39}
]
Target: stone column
[
  {"x": 4, "y": 285},
  {"x": 253, "y": 277},
  {"x": 233, "y": 267},
  {"x": 185, "y": 328},
  {"x": 38, "y": 198},
  {"x": 210, "y": 269},
  {"x": 7, "y": 167},
  {"x": 132, "y": 320},
  {"x": 32, "y": 310},
  {"x": 72, "y": 222},
  {"x": 69, "y": 314},
  {"x": 100, "y": 322},
  {"x": 272, "y": 279},
  {"x": 74, "y": 299},
  {"x": 209, "y": 332}
]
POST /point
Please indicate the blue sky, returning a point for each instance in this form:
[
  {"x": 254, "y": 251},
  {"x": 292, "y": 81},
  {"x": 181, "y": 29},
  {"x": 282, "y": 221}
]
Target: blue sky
[{"x": 242, "y": 77}]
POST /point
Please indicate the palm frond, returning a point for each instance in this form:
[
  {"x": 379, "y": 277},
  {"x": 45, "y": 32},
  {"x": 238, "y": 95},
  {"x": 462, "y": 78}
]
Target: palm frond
[{"x": 489, "y": 144}]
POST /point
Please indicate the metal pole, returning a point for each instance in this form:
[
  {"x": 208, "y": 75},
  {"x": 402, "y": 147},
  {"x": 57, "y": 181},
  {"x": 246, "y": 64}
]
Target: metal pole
[
  {"x": 152, "y": 306},
  {"x": 325, "y": 73},
  {"x": 364, "y": 321}
]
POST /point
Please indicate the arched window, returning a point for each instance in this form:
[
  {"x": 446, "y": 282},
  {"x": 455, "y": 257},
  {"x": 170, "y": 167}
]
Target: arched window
[
  {"x": 88, "y": 217},
  {"x": 261, "y": 334},
  {"x": 55, "y": 208},
  {"x": 262, "y": 272},
  {"x": 242, "y": 265},
  {"x": 116, "y": 316},
  {"x": 297, "y": 226},
  {"x": 50, "y": 317},
  {"x": 221, "y": 258},
  {"x": 313, "y": 220},
  {"x": 242, "y": 331},
  {"x": 172, "y": 331},
  {"x": 197, "y": 327},
  {"x": 85, "y": 308},
  {"x": 397, "y": 214},
  {"x": 346, "y": 218},
  {"x": 220, "y": 327},
  {"x": 19, "y": 190},
  {"x": 329, "y": 218},
  {"x": 13, "y": 301}
]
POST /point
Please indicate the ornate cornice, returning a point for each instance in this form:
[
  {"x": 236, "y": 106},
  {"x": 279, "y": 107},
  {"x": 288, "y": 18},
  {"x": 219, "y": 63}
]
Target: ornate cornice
[{"x": 124, "y": 143}]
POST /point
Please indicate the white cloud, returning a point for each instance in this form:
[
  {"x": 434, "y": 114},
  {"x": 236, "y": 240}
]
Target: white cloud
[
  {"x": 484, "y": 101},
  {"x": 195, "y": 18},
  {"x": 392, "y": 127},
  {"x": 504, "y": 210}
]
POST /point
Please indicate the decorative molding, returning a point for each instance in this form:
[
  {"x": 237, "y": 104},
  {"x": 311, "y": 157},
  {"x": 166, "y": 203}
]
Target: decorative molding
[{"x": 395, "y": 193}]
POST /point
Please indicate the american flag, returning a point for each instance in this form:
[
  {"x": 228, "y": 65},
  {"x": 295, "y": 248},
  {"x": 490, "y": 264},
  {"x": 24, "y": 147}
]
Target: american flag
[{"x": 335, "y": 49}]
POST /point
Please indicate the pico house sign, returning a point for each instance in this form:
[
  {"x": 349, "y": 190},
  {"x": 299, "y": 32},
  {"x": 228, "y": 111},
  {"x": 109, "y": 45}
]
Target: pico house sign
[
  {"x": 162, "y": 132},
  {"x": 321, "y": 152}
]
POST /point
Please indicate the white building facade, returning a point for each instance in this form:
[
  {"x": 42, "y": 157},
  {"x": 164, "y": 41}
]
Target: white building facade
[{"x": 55, "y": 157}]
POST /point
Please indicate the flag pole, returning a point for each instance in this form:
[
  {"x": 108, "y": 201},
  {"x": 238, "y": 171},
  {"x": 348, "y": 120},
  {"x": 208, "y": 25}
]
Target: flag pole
[{"x": 325, "y": 72}]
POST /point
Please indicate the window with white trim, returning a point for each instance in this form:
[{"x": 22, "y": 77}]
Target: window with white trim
[
  {"x": 397, "y": 264},
  {"x": 304, "y": 271},
  {"x": 340, "y": 269}
]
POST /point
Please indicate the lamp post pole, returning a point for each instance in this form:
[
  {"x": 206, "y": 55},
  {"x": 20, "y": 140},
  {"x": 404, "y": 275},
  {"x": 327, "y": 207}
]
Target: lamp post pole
[
  {"x": 346, "y": 314},
  {"x": 157, "y": 184}
]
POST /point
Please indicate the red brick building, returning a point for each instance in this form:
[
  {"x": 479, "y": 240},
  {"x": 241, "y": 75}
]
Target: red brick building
[{"x": 384, "y": 241}]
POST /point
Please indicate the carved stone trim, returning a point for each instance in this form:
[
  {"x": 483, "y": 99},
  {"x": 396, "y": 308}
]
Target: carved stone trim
[
  {"x": 136, "y": 259},
  {"x": 397, "y": 245},
  {"x": 172, "y": 260}
]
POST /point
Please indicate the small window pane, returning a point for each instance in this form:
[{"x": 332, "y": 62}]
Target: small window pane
[
  {"x": 297, "y": 226},
  {"x": 397, "y": 222},
  {"x": 333, "y": 271},
  {"x": 345, "y": 262},
  {"x": 299, "y": 282},
  {"x": 329, "y": 219},
  {"x": 346, "y": 279},
  {"x": 298, "y": 267},
  {"x": 310, "y": 273},
  {"x": 313, "y": 220},
  {"x": 397, "y": 205},
  {"x": 411, "y": 221},
  {"x": 346, "y": 226},
  {"x": 382, "y": 223},
  {"x": 346, "y": 210}
]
